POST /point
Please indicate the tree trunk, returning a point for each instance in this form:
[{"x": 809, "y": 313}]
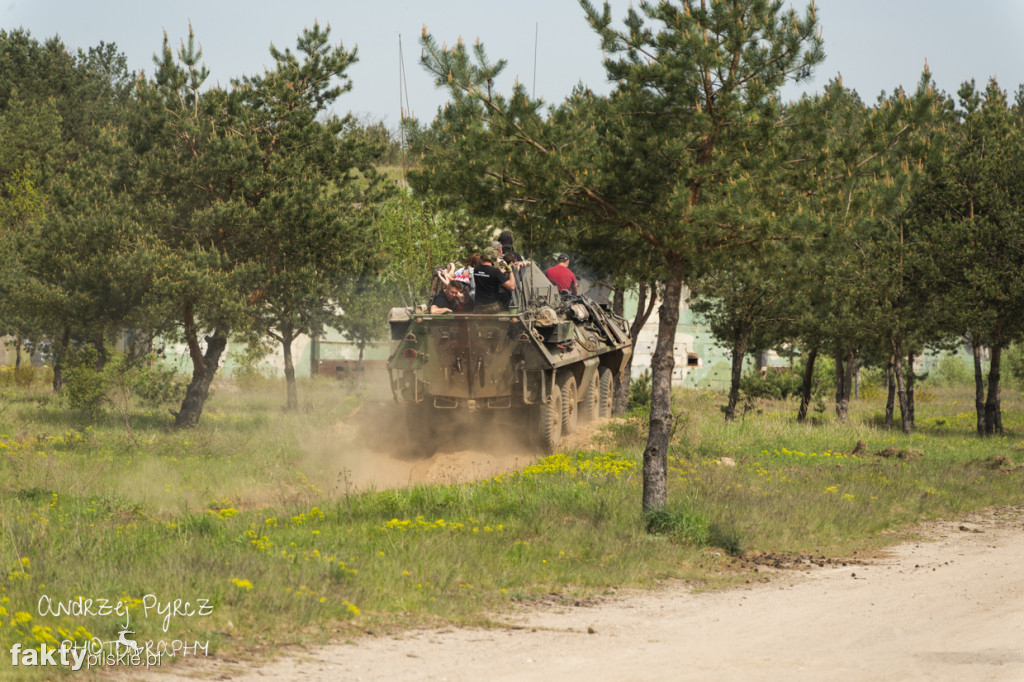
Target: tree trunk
[
  {"x": 993, "y": 412},
  {"x": 911, "y": 379},
  {"x": 979, "y": 389},
  {"x": 647, "y": 297},
  {"x": 620, "y": 399},
  {"x": 99, "y": 343},
  {"x": 808, "y": 387},
  {"x": 739, "y": 351},
  {"x": 204, "y": 367},
  {"x": 287, "y": 336},
  {"x": 890, "y": 384},
  {"x": 851, "y": 370},
  {"x": 655, "y": 471},
  {"x": 842, "y": 391},
  {"x": 901, "y": 386},
  {"x": 17, "y": 353},
  {"x": 761, "y": 361},
  {"x": 314, "y": 356},
  {"x": 60, "y": 353}
]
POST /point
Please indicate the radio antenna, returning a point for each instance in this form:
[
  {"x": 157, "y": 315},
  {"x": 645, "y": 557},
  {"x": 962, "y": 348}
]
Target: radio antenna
[
  {"x": 403, "y": 103},
  {"x": 536, "y": 31}
]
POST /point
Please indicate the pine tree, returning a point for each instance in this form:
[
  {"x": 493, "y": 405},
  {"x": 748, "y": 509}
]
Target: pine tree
[
  {"x": 255, "y": 198},
  {"x": 684, "y": 142}
]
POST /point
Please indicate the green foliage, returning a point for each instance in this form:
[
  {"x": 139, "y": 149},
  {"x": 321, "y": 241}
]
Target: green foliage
[
  {"x": 257, "y": 501},
  {"x": 951, "y": 370},
  {"x": 640, "y": 391},
  {"x": 691, "y": 528},
  {"x": 156, "y": 384},
  {"x": 824, "y": 379},
  {"x": 782, "y": 383},
  {"x": 25, "y": 375},
  {"x": 92, "y": 390},
  {"x": 85, "y": 386},
  {"x": 411, "y": 237},
  {"x": 873, "y": 383},
  {"x": 1013, "y": 362},
  {"x": 246, "y": 370},
  {"x": 774, "y": 384},
  {"x": 679, "y": 522}
]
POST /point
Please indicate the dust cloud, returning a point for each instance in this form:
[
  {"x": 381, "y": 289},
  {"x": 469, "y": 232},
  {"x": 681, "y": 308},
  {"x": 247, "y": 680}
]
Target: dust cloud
[{"x": 371, "y": 449}]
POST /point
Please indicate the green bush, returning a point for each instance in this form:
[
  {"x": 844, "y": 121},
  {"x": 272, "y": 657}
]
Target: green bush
[
  {"x": 246, "y": 370},
  {"x": 773, "y": 384},
  {"x": 692, "y": 528},
  {"x": 640, "y": 391},
  {"x": 92, "y": 390},
  {"x": 84, "y": 387},
  {"x": 951, "y": 370},
  {"x": 156, "y": 385},
  {"x": 873, "y": 383},
  {"x": 1013, "y": 364},
  {"x": 782, "y": 383},
  {"x": 824, "y": 380},
  {"x": 25, "y": 375}
]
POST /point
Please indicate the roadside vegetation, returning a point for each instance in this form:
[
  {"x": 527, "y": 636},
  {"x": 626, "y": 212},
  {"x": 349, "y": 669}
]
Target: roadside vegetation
[
  {"x": 231, "y": 512},
  {"x": 142, "y": 211}
]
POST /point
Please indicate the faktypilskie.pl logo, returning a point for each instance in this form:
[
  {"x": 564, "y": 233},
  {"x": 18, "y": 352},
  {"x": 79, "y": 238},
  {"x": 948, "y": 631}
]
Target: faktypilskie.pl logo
[{"x": 125, "y": 650}]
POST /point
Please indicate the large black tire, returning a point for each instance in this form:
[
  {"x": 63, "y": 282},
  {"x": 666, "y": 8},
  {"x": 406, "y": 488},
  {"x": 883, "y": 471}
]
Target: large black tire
[
  {"x": 549, "y": 422},
  {"x": 606, "y": 392},
  {"x": 567, "y": 385},
  {"x": 590, "y": 405}
]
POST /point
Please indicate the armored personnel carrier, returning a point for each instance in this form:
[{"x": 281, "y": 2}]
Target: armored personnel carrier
[{"x": 550, "y": 359}]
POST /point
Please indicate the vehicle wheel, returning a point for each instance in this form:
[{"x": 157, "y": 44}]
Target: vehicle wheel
[
  {"x": 589, "y": 406},
  {"x": 421, "y": 429},
  {"x": 606, "y": 392},
  {"x": 549, "y": 422},
  {"x": 567, "y": 384}
]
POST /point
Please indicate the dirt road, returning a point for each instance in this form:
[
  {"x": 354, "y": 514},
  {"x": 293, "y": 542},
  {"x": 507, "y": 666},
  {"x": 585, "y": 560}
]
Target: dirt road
[{"x": 949, "y": 607}]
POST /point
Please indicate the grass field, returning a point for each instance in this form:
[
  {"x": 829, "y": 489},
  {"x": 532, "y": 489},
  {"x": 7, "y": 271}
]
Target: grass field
[{"x": 260, "y": 547}]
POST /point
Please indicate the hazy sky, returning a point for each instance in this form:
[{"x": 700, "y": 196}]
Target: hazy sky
[{"x": 875, "y": 44}]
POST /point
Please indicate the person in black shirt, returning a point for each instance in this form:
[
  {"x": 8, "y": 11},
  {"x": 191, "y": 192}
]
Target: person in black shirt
[
  {"x": 451, "y": 299},
  {"x": 490, "y": 282}
]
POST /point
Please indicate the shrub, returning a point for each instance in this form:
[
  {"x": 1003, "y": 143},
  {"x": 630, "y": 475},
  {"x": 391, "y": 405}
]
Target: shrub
[
  {"x": 951, "y": 370},
  {"x": 156, "y": 385},
  {"x": 1013, "y": 364},
  {"x": 84, "y": 387},
  {"x": 873, "y": 383},
  {"x": 25, "y": 375},
  {"x": 640, "y": 391},
  {"x": 681, "y": 524},
  {"x": 774, "y": 384},
  {"x": 692, "y": 528},
  {"x": 246, "y": 370},
  {"x": 118, "y": 383}
]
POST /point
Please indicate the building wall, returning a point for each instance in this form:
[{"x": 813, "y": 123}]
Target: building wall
[
  {"x": 333, "y": 346},
  {"x": 700, "y": 362}
]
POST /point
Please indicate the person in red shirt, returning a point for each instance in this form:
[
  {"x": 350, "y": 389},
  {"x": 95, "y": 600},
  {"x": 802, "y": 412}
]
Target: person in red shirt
[{"x": 562, "y": 277}]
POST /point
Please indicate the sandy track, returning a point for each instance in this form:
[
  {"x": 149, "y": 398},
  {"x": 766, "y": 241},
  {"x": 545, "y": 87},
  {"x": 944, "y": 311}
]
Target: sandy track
[{"x": 949, "y": 607}]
